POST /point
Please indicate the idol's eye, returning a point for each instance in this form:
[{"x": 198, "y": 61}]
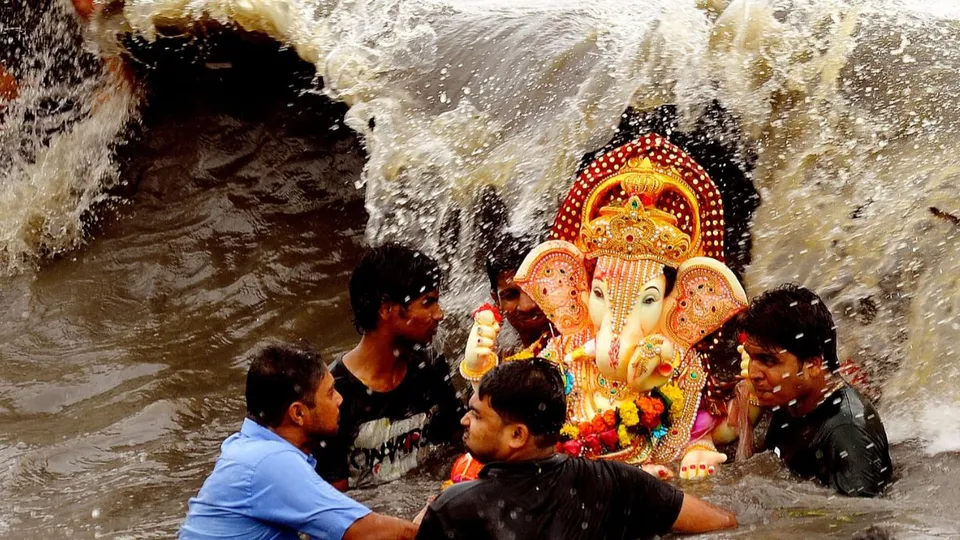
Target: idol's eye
[
  {"x": 598, "y": 292},
  {"x": 649, "y": 300}
]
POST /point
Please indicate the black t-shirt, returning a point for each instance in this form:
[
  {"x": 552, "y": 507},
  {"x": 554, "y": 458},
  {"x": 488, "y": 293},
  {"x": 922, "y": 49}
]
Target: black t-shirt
[
  {"x": 560, "y": 497},
  {"x": 383, "y": 435},
  {"x": 842, "y": 443}
]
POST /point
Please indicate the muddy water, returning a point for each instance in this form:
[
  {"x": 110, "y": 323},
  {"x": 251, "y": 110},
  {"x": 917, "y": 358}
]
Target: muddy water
[
  {"x": 119, "y": 373},
  {"x": 118, "y": 377},
  {"x": 237, "y": 219}
]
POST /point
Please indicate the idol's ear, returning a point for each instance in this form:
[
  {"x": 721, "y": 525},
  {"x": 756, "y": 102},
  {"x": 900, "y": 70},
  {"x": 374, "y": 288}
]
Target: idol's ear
[
  {"x": 706, "y": 295},
  {"x": 554, "y": 275}
]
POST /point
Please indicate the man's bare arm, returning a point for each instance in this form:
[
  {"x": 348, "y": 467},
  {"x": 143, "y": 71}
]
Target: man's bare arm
[
  {"x": 341, "y": 485},
  {"x": 375, "y": 526},
  {"x": 698, "y": 516}
]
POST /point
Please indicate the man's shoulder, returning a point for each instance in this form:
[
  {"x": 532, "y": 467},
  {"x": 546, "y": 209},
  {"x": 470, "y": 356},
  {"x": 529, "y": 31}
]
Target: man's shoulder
[
  {"x": 855, "y": 421},
  {"x": 423, "y": 357},
  {"x": 246, "y": 447},
  {"x": 252, "y": 453},
  {"x": 240, "y": 459},
  {"x": 347, "y": 383},
  {"x": 598, "y": 468},
  {"x": 459, "y": 496},
  {"x": 854, "y": 411},
  {"x": 425, "y": 364},
  {"x": 337, "y": 367}
]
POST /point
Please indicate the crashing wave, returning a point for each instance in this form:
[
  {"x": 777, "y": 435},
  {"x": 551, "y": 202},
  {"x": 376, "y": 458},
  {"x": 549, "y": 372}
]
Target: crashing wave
[{"x": 849, "y": 104}]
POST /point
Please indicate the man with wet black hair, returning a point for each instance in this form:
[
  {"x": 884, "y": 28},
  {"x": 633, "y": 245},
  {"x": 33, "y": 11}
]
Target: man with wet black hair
[
  {"x": 263, "y": 484},
  {"x": 527, "y": 490},
  {"x": 398, "y": 395},
  {"x": 821, "y": 426}
]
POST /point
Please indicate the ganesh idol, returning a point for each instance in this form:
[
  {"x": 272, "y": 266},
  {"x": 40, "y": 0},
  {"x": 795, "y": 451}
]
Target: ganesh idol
[{"x": 632, "y": 280}]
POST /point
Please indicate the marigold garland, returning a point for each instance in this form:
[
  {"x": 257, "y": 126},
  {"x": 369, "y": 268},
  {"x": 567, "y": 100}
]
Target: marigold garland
[
  {"x": 570, "y": 432},
  {"x": 598, "y": 424},
  {"x": 650, "y": 410},
  {"x": 629, "y": 414},
  {"x": 624, "y": 436},
  {"x": 675, "y": 396},
  {"x": 618, "y": 428}
]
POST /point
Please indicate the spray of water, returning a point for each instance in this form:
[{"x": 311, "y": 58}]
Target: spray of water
[
  {"x": 56, "y": 138},
  {"x": 849, "y": 104}
]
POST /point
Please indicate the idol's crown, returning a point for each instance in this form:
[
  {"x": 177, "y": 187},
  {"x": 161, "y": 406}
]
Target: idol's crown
[{"x": 637, "y": 229}]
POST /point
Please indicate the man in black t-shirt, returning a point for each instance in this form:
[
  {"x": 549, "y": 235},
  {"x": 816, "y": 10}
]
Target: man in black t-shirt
[
  {"x": 821, "y": 427},
  {"x": 527, "y": 490},
  {"x": 398, "y": 397}
]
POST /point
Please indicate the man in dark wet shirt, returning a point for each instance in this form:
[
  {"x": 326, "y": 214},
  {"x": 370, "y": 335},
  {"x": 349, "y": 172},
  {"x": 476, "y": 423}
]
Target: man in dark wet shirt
[
  {"x": 821, "y": 427},
  {"x": 398, "y": 397},
  {"x": 527, "y": 490}
]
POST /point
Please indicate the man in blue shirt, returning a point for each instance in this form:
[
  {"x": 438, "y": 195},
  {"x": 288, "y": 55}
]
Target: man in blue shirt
[{"x": 263, "y": 485}]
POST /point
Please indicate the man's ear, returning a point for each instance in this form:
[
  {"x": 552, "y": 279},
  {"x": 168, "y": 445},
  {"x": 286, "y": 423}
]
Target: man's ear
[
  {"x": 813, "y": 367},
  {"x": 295, "y": 412},
  {"x": 519, "y": 436},
  {"x": 387, "y": 309}
]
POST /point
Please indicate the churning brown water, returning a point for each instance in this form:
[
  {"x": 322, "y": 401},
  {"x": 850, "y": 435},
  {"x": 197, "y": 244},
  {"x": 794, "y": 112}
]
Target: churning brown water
[{"x": 152, "y": 239}]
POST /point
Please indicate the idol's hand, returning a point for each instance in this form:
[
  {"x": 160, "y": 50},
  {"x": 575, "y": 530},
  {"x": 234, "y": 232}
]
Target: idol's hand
[
  {"x": 660, "y": 471},
  {"x": 698, "y": 464},
  {"x": 588, "y": 351},
  {"x": 652, "y": 363},
  {"x": 479, "y": 356}
]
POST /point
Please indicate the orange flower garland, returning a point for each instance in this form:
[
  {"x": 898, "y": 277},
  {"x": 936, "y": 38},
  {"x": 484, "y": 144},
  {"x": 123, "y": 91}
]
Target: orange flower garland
[
  {"x": 616, "y": 429},
  {"x": 650, "y": 410}
]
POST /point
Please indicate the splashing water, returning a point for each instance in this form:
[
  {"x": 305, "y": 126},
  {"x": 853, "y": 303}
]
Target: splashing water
[
  {"x": 56, "y": 139},
  {"x": 848, "y": 104}
]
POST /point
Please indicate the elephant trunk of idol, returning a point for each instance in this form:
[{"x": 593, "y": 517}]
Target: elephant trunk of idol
[
  {"x": 635, "y": 295},
  {"x": 617, "y": 342}
]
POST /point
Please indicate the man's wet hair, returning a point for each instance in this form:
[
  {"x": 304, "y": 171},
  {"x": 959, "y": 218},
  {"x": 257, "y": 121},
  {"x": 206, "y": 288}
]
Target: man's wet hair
[
  {"x": 280, "y": 374},
  {"x": 528, "y": 392},
  {"x": 506, "y": 256},
  {"x": 794, "y": 318},
  {"x": 390, "y": 273}
]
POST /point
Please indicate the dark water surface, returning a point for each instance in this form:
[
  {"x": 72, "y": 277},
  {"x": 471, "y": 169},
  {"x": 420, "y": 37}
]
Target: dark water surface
[{"x": 119, "y": 375}]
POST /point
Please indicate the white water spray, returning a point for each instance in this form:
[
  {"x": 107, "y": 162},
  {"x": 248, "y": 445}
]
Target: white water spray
[{"x": 850, "y": 103}]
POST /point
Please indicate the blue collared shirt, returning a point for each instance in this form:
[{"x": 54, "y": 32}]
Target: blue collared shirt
[{"x": 263, "y": 487}]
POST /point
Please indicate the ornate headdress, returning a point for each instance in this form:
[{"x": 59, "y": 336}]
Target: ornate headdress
[{"x": 644, "y": 200}]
